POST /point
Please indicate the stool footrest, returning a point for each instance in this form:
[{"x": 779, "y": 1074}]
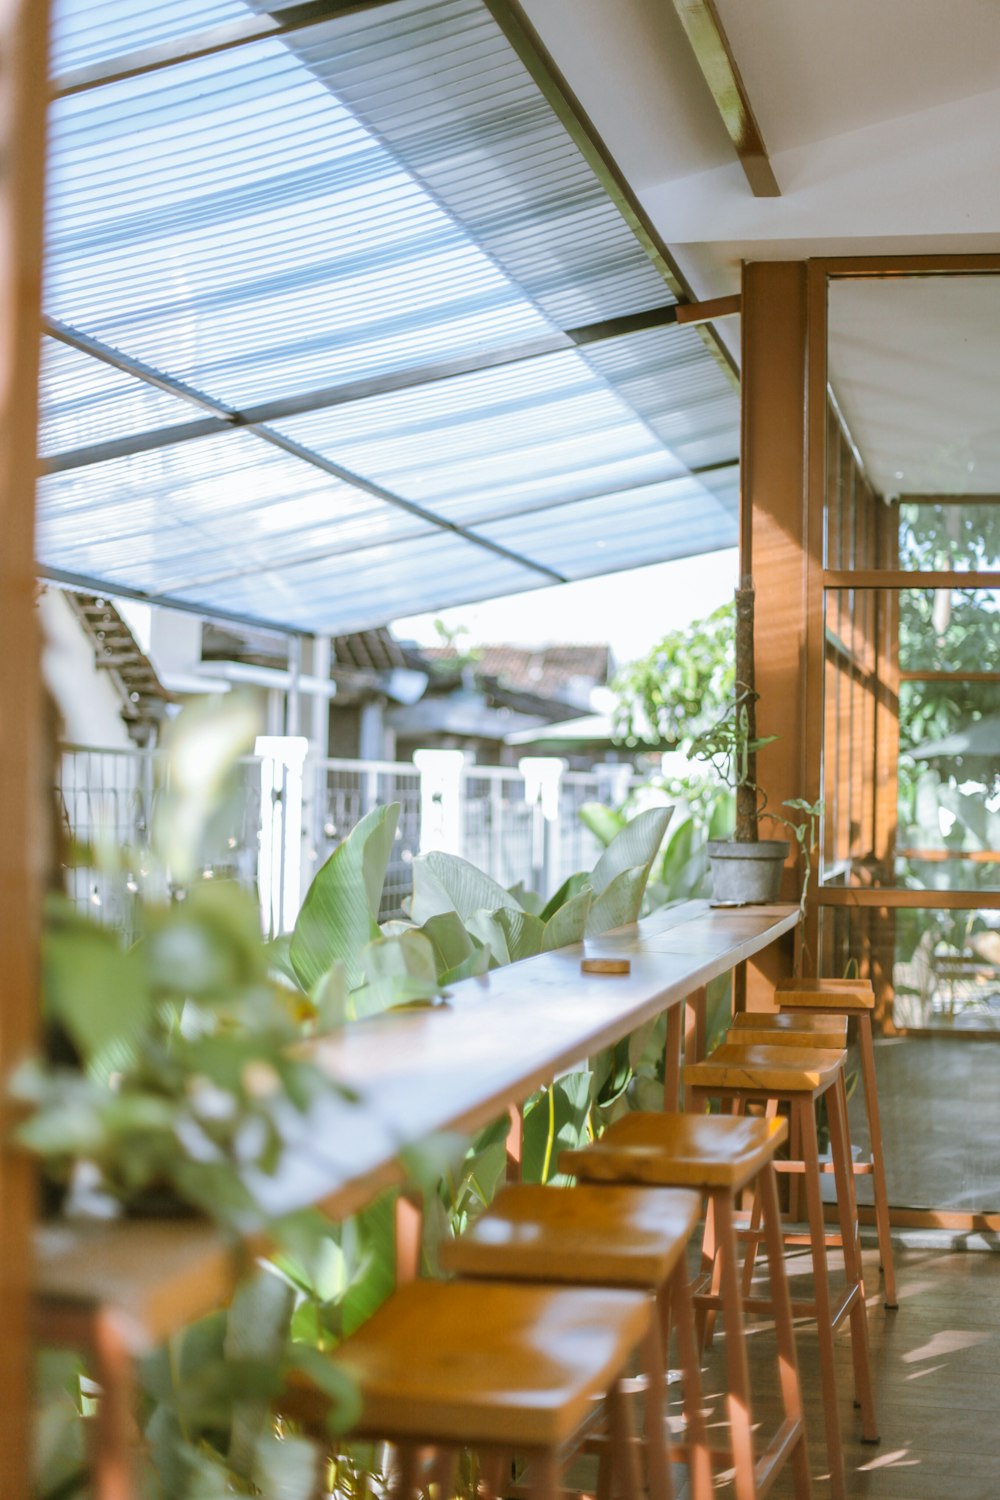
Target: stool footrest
[{"x": 800, "y": 1308}]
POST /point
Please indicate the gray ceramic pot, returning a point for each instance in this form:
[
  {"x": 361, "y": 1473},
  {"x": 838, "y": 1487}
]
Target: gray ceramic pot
[{"x": 747, "y": 873}]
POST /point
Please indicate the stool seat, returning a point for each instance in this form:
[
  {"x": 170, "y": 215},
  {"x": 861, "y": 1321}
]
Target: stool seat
[
  {"x": 762, "y": 1028},
  {"x": 779, "y": 1070},
  {"x": 490, "y": 1362},
  {"x": 609, "y": 1235},
  {"x": 825, "y": 994},
  {"x": 693, "y": 1151}
]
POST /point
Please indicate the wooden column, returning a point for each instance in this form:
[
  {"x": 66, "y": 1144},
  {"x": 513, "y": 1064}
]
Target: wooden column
[
  {"x": 774, "y": 540},
  {"x": 23, "y": 33}
]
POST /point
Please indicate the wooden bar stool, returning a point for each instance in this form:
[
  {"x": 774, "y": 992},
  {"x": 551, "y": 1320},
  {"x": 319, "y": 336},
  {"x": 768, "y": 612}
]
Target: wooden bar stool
[
  {"x": 750, "y": 1074},
  {"x": 719, "y": 1157},
  {"x": 607, "y": 1236},
  {"x": 810, "y": 998},
  {"x": 501, "y": 1368}
]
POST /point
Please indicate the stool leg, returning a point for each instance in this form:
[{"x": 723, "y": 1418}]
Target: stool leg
[
  {"x": 750, "y": 1259},
  {"x": 866, "y": 1049},
  {"x": 544, "y": 1476},
  {"x": 443, "y": 1472},
  {"x": 803, "y": 1109},
  {"x": 699, "y": 1453},
  {"x": 672, "y": 1061},
  {"x": 737, "y": 1374},
  {"x": 625, "y": 1464},
  {"x": 657, "y": 1438},
  {"x": 840, "y": 1143},
  {"x": 788, "y": 1366},
  {"x": 404, "y": 1485}
]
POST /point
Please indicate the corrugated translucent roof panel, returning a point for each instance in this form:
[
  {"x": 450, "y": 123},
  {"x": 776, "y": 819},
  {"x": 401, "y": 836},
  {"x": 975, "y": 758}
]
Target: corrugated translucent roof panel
[
  {"x": 85, "y": 33},
  {"x": 687, "y": 398},
  {"x": 87, "y": 401},
  {"x": 492, "y": 443},
  {"x": 286, "y": 225},
  {"x": 335, "y": 594},
  {"x": 623, "y": 530},
  {"x": 204, "y": 511}
]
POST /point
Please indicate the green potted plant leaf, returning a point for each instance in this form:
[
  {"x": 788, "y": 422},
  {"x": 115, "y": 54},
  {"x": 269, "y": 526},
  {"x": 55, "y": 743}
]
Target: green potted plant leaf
[{"x": 745, "y": 869}]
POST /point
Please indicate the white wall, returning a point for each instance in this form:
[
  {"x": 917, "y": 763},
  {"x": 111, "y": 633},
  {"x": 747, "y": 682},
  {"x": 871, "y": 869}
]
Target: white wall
[{"x": 87, "y": 701}]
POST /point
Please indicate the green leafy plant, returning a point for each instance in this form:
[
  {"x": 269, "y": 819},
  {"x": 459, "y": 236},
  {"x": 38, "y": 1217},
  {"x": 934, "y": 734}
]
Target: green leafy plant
[{"x": 173, "y": 1085}]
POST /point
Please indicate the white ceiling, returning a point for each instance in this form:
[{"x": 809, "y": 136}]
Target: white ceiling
[
  {"x": 882, "y": 121},
  {"x": 914, "y": 364},
  {"x": 880, "y": 117}
]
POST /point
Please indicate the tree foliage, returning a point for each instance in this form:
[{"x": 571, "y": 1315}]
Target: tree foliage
[{"x": 680, "y": 687}]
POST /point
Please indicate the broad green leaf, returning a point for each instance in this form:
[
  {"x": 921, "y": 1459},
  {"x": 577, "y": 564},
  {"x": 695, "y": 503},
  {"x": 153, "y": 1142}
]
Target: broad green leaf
[
  {"x": 619, "y": 903},
  {"x": 399, "y": 971},
  {"x": 547, "y": 1131},
  {"x": 330, "y": 998},
  {"x": 443, "y": 882},
  {"x": 569, "y": 888},
  {"x": 530, "y": 901},
  {"x": 615, "y": 1070},
  {"x": 335, "y": 1383},
  {"x": 97, "y": 990},
  {"x": 477, "y": 964},
  {"x": 285, "y": 1468},
  {"x": 451, "y": 942},
  {"x": 256, "y": 1330},
  {"x": 338, "y": 916},
  {"x": 278, "y": 955},
  {"x": 677, "y": 853},
  {"x": 635, "y": 846},
  {"x": 509, "y": 935},
  {"x": 604, "y": 822},
  {"x": 568, "y": 924}
]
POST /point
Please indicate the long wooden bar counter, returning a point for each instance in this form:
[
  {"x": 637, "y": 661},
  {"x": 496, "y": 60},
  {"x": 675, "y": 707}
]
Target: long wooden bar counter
[
  {"x": 453, "y": 1067},
  {"x": 117, "y": 1289}
]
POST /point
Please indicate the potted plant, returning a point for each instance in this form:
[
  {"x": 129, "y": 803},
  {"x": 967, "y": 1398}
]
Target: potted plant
[{"x": 747, "y": 869}]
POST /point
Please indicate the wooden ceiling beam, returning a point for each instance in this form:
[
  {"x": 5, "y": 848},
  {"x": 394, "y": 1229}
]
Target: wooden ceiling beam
[{"x": 718, "y": 65}]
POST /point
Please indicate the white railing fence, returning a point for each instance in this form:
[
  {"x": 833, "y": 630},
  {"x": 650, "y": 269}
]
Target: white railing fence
[{"x": 291, "y": 810}]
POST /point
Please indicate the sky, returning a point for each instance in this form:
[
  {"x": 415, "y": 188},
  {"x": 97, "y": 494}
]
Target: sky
[{"x": 630, "y": 611}]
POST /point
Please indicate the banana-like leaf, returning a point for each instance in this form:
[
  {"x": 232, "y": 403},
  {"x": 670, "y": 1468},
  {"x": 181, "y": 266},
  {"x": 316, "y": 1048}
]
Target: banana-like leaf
[
  {"x": 569, "y": 923},
  {"x": 338, "y": 916},
  {"x": 604, "y": 822},
  {"x": 619, "y": 903},
  {"x": 443, "y": 882},
  {"x": 330, "y": 998},
  {"x": 285, "y": 1468},
  {"x": 279, "y": 957},
  {"x": 451, "y": 942},
  {"x": 555, "y": 1120},
  {"x": 509, "y": 935},
  {"x": 529, "y": 900},
  {"x": 256, "y": 1329},
  {"x": 399, "y": 971},
  {"x": 635, "y": 846},
  {"x": 569, "y": 888},
  {"x": 477, "y": 964},
  {"x": 336, "y": 1385},
  {"x": 97, "y": 989}
]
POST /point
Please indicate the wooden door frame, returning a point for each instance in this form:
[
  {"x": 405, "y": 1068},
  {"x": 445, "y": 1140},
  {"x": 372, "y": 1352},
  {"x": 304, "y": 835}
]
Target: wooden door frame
[
  {"x": 23, "y": 99},
  {"x": 820, "y": 271}
]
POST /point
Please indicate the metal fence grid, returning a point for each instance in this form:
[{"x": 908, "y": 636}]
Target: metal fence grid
[{"x": 109, "y": 798}]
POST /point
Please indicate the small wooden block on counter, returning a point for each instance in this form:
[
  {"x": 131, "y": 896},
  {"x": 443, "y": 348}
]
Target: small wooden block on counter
[{"x": 606, "y": 965}]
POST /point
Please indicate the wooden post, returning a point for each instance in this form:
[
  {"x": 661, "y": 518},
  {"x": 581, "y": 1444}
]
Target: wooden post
[
  {"x": 774, "y": 537},
  {"x": 23, "y": 95}
]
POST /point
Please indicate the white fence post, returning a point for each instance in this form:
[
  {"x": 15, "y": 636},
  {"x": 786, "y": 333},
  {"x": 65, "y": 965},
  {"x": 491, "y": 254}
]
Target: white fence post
[
  {"x": 542, "y": 776},
  {"x": 279, "y": 877},
  {"x": 440, "y": 799}
]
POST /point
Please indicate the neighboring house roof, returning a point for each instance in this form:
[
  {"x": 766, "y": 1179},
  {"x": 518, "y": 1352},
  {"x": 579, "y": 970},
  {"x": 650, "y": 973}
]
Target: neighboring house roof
[{"x": 561, "y": 672}]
